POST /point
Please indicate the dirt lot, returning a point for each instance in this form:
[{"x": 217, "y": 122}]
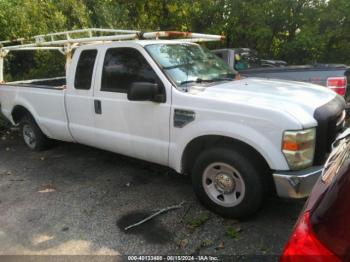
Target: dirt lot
[{"x": 75, "y": 199}]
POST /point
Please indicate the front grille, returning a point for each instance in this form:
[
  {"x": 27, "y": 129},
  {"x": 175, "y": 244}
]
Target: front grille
[{"x": 330, "y": 118}]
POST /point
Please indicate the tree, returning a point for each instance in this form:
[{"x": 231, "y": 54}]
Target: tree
[
  {"x": 298, "y": 31},
  {"x": 26, "y": 18}
]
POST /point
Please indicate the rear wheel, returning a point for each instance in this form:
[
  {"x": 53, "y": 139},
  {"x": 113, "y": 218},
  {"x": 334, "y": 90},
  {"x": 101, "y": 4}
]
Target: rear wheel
[
  {"x": 227, "y": 183},
  {"x": 33, "y": 137}
]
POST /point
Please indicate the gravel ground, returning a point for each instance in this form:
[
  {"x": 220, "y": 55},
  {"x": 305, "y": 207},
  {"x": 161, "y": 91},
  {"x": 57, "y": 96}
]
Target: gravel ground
[{"x": 74, "y": 199}]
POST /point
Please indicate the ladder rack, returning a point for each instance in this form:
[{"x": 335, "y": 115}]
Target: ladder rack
[
  {"x": 66, "y": 41},
  {"x": 99, "y": 35}
]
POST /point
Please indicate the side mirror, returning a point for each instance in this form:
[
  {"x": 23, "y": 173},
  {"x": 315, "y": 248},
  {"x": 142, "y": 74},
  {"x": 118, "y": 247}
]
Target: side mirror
[{"x": 144, "y": 91}]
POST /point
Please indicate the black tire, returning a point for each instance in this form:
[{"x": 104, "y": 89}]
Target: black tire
[
  {"x": 40, "y": 140},
  {"x": 254, "y": 185}
]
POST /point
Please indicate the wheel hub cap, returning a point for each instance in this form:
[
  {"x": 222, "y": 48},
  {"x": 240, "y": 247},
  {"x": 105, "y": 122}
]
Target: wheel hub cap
[
  {"x": 224, "y": 183},
  {"x": 29, "y": 136}
]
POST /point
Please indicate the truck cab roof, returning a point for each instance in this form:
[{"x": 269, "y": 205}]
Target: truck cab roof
[{"x": 139, "y": 42}]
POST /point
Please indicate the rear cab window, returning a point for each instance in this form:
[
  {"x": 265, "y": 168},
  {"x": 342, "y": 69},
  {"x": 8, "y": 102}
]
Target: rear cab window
[{"x": 85, "y": 69}]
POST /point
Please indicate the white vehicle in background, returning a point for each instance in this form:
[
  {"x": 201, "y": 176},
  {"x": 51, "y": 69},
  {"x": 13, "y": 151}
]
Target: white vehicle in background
[{"x": 174, "y": 103}]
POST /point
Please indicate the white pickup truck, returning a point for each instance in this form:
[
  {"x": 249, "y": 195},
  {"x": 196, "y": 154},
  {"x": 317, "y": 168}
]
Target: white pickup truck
[{"x": 176, "y": 104}]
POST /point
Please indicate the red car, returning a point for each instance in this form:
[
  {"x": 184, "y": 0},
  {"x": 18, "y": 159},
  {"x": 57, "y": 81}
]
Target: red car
[{"x": 322, "y": 232}]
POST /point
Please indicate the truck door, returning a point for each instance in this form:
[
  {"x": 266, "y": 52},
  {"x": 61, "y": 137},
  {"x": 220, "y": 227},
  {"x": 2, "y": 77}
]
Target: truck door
[
  {"x": 79, "y": 97},
  {"x": 135, "y": 128}
]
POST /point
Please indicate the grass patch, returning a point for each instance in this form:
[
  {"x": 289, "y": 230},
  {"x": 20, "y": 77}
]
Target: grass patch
[
  {"x": 206, "y": 243},
  {"x": 198, "y": 221},
  {"x": 231, "y": 232}
]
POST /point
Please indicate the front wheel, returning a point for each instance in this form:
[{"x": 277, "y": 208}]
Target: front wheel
[{"x": 227, "y": 183}]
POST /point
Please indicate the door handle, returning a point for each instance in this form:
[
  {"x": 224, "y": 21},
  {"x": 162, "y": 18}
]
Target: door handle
[{"x": 98, "y": 107}]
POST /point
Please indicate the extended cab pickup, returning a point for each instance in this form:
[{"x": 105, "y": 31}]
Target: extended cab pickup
[
  {"x": 247, "y": 62},
  {"x": 176, "y": 104}
]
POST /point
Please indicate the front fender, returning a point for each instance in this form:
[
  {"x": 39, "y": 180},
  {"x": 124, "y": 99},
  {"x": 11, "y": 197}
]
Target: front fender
[{"x": 269, "y": 145}]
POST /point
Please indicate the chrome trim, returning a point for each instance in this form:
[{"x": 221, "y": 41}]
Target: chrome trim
[
  {"x": 296, "y": 184},
  {"x": 341, "y": 118}
]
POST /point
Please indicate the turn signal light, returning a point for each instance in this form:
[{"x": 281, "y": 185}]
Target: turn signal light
[{"x": 296, "y": 146}]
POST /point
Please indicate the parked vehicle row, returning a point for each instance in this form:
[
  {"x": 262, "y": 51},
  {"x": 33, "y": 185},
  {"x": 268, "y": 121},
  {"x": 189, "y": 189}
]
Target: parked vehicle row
[
  {"x": 176, "y": 104},
  {"x": 247, "y": 62}
]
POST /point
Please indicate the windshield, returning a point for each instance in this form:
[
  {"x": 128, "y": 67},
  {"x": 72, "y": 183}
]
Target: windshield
[{"x": 190, "y": 63}]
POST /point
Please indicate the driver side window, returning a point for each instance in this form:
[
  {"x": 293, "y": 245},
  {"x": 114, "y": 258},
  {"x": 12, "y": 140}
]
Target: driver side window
[{"x": 124, "y": 66}]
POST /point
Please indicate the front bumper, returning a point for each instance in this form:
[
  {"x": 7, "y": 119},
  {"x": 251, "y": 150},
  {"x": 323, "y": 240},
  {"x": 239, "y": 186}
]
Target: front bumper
[{"x": 296, "y": 184}]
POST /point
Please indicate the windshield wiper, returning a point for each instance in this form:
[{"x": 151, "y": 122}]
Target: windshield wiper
[{"x": 198, "y": 80}]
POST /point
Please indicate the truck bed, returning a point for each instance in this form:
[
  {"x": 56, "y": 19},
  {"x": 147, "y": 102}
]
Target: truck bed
[{"x": 45, "y": 101}]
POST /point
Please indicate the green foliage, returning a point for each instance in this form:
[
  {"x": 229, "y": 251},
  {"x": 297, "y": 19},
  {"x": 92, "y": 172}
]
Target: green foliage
[
  {"x": 198, "y": 221},
  {"x": 25, "y": 18},
  {"x": 231, "y": 232},
  {"x": 298, "y": 31}
]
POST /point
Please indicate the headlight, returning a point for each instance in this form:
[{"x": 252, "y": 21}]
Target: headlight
[{"x": 299, "y": 148}]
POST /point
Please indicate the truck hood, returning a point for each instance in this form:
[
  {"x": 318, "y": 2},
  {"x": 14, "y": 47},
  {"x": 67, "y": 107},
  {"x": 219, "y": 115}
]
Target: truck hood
[{"x": 296, "y": 98}]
